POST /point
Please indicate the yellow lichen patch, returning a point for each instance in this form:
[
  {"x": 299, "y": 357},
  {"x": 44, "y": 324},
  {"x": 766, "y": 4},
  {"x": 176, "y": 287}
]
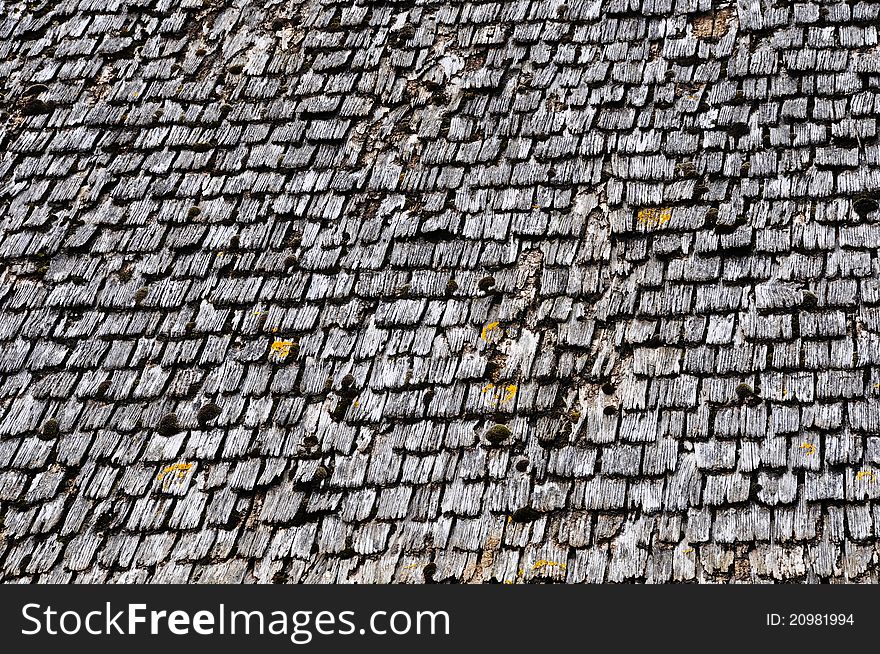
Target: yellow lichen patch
[
  {"x": 865, "y": 474},
  {"x": 652, "y": 217},
  {"x": 689, "y": 550},
  {"x": 488, "y": 328},
  {"x": 809, "y": 448},
  {"x": 502, "y": 394},
  {"x": 179, "y": 468},
  {"x": 543, "y": 563},
  {"x": 411, "y": 567},
  {"x": 282, "y": 348}
]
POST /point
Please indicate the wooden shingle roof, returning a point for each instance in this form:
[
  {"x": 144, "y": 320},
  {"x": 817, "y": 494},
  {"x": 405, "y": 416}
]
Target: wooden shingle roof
[{"x": 320, "y": 291}]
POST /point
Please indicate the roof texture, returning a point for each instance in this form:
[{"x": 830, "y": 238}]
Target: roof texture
[{"x": 533, "y": 290}]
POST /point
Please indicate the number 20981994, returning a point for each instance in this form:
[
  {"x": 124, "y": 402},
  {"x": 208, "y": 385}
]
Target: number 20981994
[{"x": 810, "y": 619}]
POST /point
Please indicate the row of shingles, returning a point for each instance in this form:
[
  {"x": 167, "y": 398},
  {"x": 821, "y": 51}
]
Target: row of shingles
[
  {"x": 845, "y": 389},
  {"x": 408, "y": 468},
  {"x": 29, "y": 229},
  {"x": 335, "y": 441},
  {"x": 471, "y": 532},
  {"x": 133, "y": 483},
  {"x": 32, "y": 453},
  {"x": 486, "y": 488},
  {"x": 238, "y": 309},
  {"x": 666, "y": 392},
  {"x": 129, "y": 109},
  {"x": 728, "y": 428},
  {"x": 825, "y": 334},
  {"x": 247, "y": 172},
  {"x": 624, "y": 458},
  {"x": 31, "y": 474},
  {"x": 468, "y": 144},
  {"x": 347, "y": 531},
  {"x": 94, "y": 474},
  {"x": 634, "y": 448},
  {"x": 599, "y": 468},
  {"x": 240, "y": 474},
  {"x": 228, "y": 360},
  {"x": 618, "y": 461},
  {"x": 334, "y": 500},
  {"x": 552, "y": 488},
  {"x": 117, "y": 387},
  {"x": 344, "y": 503},
  {"x": 478, "y": 533},
  {"x": 779, "y": 417},
  {"x": 390, "y": 315},
  {"x": 726, "y": 487},
  {"x": 347, "y": 472}
]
